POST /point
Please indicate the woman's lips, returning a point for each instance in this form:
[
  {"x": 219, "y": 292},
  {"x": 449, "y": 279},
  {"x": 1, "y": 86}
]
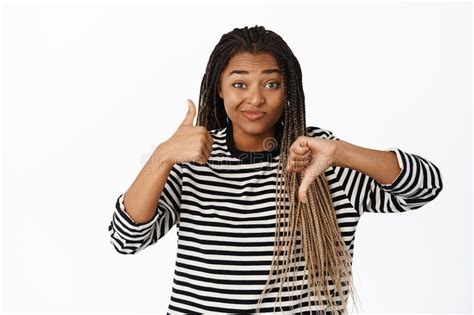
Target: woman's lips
[{"x": 253, "y": 115}]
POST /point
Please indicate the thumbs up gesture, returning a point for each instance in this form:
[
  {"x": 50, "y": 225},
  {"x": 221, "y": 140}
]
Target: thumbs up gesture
[
  {"x": 189, "y": 142},
  {"x": 311, "y": 156}
]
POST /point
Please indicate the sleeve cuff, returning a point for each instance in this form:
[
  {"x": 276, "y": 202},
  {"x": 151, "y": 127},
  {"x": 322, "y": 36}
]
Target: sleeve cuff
[
  {"x": 400, "y": 181},
  {"x": 123, "y": 213}
]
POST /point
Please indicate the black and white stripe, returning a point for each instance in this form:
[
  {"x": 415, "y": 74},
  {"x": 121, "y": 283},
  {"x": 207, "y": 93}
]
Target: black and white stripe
[{"x": 225, "y": 215}]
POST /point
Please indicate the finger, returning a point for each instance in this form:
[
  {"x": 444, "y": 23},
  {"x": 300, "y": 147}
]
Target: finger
[
  {"x": 205, "y": 154},
  {"x": 207, "y": 142},
  {"x": 188, "y": 120},
  {"x": 299, "y": 147},
  {"x": 207, "y": 146},
  {"x": 302, "y": 196},
  {"x": 298, "y": 165},
  {"x": 289, "y": 168},
  {"x": 296, "y": 157},
  {"x": 199, "y": 157},
  {"x": 210, "y": 139},
  {"x": 304, "y": 186},
  {"x": 303, "y": 163}
]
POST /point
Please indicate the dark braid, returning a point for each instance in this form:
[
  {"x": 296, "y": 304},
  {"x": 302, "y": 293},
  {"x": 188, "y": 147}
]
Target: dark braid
[{"x": 324, "y": 251}]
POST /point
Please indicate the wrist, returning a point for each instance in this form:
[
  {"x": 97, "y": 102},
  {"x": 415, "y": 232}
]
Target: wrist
[
  {"x": 338, "y": 157},
  {"x": 162, "y": 155}
]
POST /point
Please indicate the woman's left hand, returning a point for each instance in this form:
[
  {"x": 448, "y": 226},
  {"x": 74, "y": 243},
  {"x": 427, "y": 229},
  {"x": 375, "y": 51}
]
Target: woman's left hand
[{"x": 312, "y": 156}]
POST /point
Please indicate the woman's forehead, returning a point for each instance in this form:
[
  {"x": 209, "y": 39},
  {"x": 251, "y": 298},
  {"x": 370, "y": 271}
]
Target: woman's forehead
[{"x": 251, "y": 61}]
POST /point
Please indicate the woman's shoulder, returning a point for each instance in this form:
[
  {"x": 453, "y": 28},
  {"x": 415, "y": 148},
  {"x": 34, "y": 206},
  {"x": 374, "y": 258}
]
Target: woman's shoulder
[
  {"x": 312, "y": 131},
  {"x": 319, "y": 132},
  {"x": 218, "y": 132}
]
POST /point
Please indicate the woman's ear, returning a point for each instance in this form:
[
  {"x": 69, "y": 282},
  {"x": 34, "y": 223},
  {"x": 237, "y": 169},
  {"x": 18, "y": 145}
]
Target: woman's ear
[
  {"x": 219, "y": 86},
  {"x": 219, "y": 90}
]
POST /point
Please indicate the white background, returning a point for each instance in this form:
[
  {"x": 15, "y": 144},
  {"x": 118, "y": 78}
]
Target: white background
[{"x": 90, "y": 89}]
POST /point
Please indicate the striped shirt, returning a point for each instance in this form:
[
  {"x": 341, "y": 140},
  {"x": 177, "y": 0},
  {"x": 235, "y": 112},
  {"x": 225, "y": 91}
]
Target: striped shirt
[{"x": 224, "y": 212}]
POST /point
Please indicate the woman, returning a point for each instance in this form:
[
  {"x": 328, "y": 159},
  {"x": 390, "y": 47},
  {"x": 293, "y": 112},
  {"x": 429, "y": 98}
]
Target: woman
[{"x": 251, "y": 167}]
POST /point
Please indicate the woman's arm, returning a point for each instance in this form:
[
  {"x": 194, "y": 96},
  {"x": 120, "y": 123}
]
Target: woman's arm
[
  {"x": 370, "y": 178},
  {"x": 152, "y": 207},
  {"x": 380, "y": 165},
  {"x": 142, "y": 197}
]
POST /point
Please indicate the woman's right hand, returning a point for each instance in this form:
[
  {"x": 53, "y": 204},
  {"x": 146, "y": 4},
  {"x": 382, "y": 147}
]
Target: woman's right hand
[{"x": 189, "y": 142}]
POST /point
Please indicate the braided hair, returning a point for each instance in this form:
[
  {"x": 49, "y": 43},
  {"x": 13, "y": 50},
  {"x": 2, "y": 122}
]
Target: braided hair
[{"x": 327, "y": 261}]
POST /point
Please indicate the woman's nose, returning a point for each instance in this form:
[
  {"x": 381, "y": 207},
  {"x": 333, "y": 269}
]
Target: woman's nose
[{"x": 255, "y": 96}]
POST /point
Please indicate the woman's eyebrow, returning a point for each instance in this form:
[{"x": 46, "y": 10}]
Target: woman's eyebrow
[{"x": 267, "y": 71}]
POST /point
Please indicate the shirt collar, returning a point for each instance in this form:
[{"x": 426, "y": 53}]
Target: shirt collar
[{"x": 257, "y": 156}]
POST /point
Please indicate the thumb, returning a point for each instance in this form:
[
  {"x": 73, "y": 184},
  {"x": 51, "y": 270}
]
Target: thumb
[
  {"x": 188, "y": 120},
  {"x": 308, "y": 178}
]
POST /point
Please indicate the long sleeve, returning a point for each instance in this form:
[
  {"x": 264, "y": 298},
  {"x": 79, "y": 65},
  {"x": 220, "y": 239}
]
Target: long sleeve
[
  {"x": 418, "y": 182},
  {"x": 129, "y": 237}
]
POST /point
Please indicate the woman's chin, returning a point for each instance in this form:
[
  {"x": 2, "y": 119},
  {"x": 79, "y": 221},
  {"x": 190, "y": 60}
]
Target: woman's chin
[{"x": 256, "y": 129}]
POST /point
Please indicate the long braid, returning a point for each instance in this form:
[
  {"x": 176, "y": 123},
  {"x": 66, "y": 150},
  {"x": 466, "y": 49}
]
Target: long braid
[{"x": 324, "y": 254}]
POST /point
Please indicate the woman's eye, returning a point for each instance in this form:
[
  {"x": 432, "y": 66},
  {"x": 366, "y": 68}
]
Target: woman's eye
[
  {"x": 276, "y": 84},
  {"x": 236, "y": 83}
]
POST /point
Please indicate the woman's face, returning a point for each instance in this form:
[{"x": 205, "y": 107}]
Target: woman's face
[{"x": 252, "y": 83}]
